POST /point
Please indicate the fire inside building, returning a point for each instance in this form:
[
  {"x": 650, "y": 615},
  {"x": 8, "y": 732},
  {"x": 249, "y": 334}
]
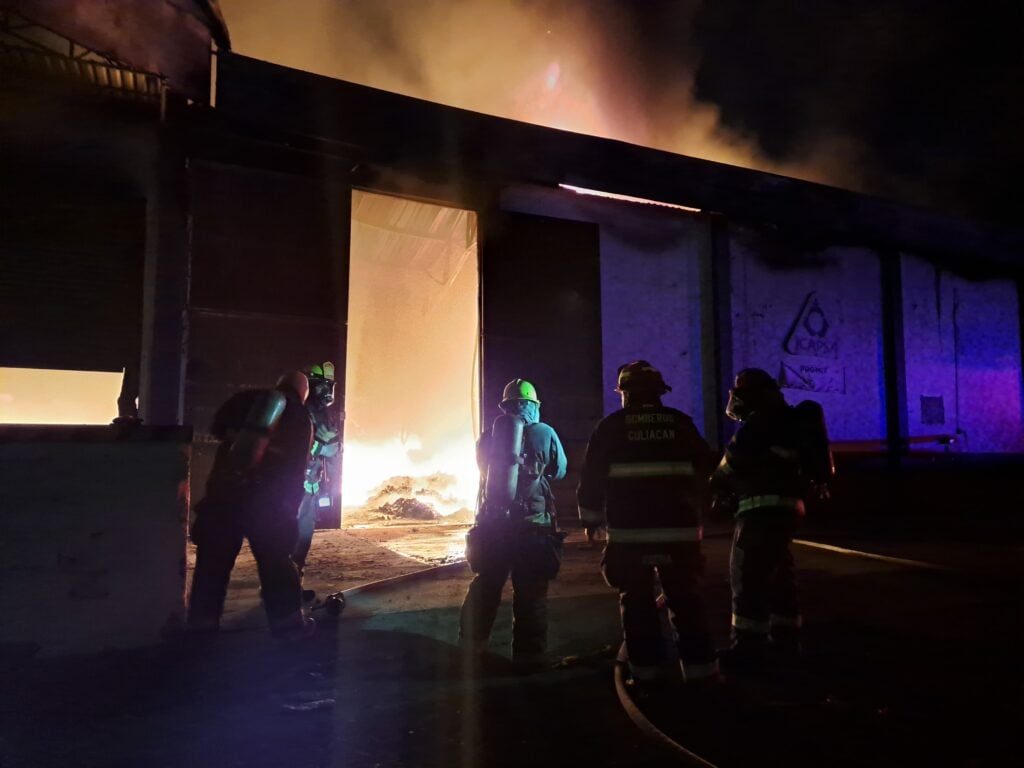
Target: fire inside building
[{"x": 177, "y": 226}]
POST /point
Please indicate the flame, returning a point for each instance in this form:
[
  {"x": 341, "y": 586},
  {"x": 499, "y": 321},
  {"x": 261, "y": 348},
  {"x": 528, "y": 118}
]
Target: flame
[
  {"x": 375, "y": 474},
  {"x": 412, "y": 363}
]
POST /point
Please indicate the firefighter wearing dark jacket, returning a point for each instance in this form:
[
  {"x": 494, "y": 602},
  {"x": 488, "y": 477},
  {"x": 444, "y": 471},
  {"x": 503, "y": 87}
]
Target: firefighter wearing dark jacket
[
  {"x": 516, "y": 531},
  {"x": 769, "y": 467},
  {"x": 645, "y": 478},
  {"x": 253, "y": 491},
  {"x": 326, "y": 445}
]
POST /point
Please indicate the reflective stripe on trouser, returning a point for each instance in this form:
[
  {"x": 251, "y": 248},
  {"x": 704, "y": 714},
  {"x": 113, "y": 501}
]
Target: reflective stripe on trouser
[
  {"x": 654, "y": 535},
  {"x": 646, "y": 674},
  {"x": 651, "y": 469},
  {"x": 761, "y": 575},
  {"x": 744, "y": 624},
  {"x": 699, "y": 671},
  {"x": 754, "y": 502}
]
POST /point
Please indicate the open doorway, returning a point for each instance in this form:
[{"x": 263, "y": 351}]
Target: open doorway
[
  {"x": 412, "y": 370},
  {"x": 45, "y": 396}
]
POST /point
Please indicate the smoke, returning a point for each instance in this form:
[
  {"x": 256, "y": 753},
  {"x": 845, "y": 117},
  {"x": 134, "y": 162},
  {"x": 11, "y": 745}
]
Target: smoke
[
  {"x": 905, "y": 99},
  {"x": 600, "y": 67}
]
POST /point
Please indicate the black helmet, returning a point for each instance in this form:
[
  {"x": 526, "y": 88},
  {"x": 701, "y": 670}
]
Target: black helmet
[
  {"x": 753, "y": 390},
  {"x": 641, "y": 376}
]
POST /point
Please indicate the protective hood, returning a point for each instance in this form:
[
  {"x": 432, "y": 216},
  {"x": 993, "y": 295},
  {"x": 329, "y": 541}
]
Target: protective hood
[
  {"x": 527, "y": 410},
  {"x": 737, "y": 408}
]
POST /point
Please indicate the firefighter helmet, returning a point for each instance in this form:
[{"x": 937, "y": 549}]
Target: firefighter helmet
[
  {"x": 321, "y": 370},
  {"x": 641, "y": 376},
  {"x": 519, "y": 389},
  {"x": 321, "y": 382},
  {"x": 753, "y": 389}
]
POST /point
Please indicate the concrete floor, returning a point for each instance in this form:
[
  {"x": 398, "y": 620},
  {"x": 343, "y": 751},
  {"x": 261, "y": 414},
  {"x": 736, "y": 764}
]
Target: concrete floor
[{"x": 905, "y": 666}]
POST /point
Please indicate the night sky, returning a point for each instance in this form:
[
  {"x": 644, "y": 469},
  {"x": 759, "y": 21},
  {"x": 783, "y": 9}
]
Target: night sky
[
  {"x": 933, "y": 90},
  {"x": 911, "y": 100}
]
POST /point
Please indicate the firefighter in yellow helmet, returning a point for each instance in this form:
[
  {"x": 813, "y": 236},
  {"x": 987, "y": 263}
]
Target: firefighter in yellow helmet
[
  {"x": 318, "y": 484},
  {"x": 645, "y": 478},
  {"x": 516, "y": 531}
]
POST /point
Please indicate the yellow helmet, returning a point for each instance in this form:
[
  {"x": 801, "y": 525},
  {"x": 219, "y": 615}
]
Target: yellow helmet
[
  {"x": 322, "y": 370},
  {"x": 519, "y": 389},
  {"x": 321, "y": 383}
]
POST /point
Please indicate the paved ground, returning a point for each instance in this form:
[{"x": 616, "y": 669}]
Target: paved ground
[{"x": 905, "y": 666}]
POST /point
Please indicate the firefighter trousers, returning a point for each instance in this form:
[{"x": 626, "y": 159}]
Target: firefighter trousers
[
  {"x": 764, "y": 593},
  {"x": 271, "y": 531},
  {"x": 529, "y": 604},
  {"x": 306, "y": 520},
  {"x": 631, "y": 568}
]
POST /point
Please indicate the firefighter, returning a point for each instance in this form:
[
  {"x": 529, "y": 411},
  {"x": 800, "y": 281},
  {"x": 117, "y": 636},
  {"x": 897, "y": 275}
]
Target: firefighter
[
  {"x": 253, "y": 491},
  {"x": 776, "y": 458},
  {"x": 326, "y": 444},
  {"x": 516, "y": 529},
  {"x": 644, "y": 477}
]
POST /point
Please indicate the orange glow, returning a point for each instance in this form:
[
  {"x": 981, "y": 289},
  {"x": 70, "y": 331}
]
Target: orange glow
[
  {"x": 627, "y": 198},
  {"x": 411, "y": 379},
  {"x": 558, "y": 65},
  {"x": 446, "y": 479},
  {"x": 42, "y": 396}
]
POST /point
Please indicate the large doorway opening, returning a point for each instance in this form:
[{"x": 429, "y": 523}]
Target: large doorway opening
[
  {"x": 45, "y": 396},
  {"x": 412, "y": 369}
]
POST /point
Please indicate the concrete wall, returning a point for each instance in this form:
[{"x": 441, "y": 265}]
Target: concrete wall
[
  {"x": 963, "y": 358},
  {"x": 651, "y": 287},
  {"x": 812, "y": 319},
  {"x": 92, "y": 536}
]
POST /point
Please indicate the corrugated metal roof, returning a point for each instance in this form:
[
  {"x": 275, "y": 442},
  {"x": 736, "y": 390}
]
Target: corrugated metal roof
[
  {"x": 86, "y": 71},
  {"x": 34, "y": 51}
]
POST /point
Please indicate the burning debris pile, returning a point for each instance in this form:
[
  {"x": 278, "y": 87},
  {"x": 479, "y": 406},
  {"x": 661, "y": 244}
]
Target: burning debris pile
[
  {"x": 412, "y": 509},
  {"x": 404, "y": 497}
]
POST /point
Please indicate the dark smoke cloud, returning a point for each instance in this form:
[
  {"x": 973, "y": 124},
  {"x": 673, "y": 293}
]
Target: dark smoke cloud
[
  {"x": 917, "y": 100},
  {"x": 926, "y": 94}
]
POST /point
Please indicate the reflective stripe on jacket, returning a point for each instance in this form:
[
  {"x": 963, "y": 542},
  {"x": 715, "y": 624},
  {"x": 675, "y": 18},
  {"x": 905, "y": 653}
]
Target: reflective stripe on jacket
[
  {"x": 748, "y": 503},
  {"x": 644, "y": 476},
  {"x": 761, "y": 465}
]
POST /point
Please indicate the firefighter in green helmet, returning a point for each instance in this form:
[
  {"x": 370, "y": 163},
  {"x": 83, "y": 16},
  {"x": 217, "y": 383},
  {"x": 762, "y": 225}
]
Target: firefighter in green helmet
[
  {"x": 318, "y": 482},
  {"x": 516, "y": 532}
]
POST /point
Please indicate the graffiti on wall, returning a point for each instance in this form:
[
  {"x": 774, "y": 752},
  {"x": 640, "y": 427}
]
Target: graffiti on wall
[{"x": 813, "y": 359}]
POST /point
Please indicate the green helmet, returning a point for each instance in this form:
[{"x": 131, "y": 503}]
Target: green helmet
[
  {"x": 322, "y": 370},
  {"x": 519, "y": 389},
  {"x": 321, "y": 383}
]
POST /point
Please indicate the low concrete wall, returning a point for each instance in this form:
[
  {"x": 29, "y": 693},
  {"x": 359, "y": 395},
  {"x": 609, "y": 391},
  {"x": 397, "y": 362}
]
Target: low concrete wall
[{"x": 92, "y": 536}]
